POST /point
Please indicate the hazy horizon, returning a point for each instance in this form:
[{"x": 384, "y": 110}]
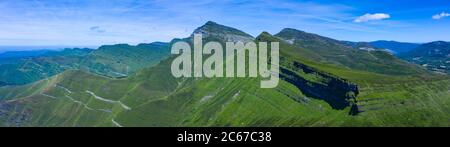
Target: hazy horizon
[
  {"x": 6, "y": 48},
  {"x": 104, "y": 22}
]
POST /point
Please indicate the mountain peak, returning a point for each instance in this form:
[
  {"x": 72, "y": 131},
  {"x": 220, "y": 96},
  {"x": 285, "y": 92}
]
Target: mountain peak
[
  {"x": 265, "y": 33},
  {"x": 217, "y": 31},
  {"x": 211, "y": 23},
  {"x": 291, "y": 30},
  {"x": 293, "y": 35},
  {"x": 290, "y": 33},
  {"x": 435, "y": 46},
  {"x": 439, "y": 43},
  {"x": 432, "y": 49}
]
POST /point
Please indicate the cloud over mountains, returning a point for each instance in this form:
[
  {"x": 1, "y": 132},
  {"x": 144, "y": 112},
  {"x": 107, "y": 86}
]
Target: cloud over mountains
[
  {"x": 441, "y": 15},
  {"x": 368, "y": 17}
]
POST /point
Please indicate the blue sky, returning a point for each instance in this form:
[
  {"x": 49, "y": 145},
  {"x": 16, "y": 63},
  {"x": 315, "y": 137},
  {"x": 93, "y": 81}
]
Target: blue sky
[{"x": 98, "y": 22}]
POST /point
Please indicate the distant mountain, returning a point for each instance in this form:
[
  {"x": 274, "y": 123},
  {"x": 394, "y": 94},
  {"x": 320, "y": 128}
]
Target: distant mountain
[
  {"x": 359, "y": 56},
  {"x": 18, "y": 54},
  {"x": 394, "y": 46},
  {"x": 364, "y": 46},
  {"x": 17, "y": 68},
  {"x": 69, "y": 52},
  {"x": 122, "y": 59},
  {"x": 33, "y": 66},
  {"x": 434, "y": 56},
  {"x": 36, "y": 65},
  {"x": 3, "y": 84}
]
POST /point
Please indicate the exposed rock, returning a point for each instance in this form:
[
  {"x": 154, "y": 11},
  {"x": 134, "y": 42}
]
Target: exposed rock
[
  {"x": 337, "y": 92},
  {"x": 222, "y": 33}
]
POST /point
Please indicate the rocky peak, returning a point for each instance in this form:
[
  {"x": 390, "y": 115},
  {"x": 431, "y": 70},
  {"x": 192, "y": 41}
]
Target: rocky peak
[{"x": 214, "y": 30}]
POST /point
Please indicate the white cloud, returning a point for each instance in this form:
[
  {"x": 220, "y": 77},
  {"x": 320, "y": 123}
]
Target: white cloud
[
  {"x": 368, "y": 17},
  {"x": 441, "y": 15}
]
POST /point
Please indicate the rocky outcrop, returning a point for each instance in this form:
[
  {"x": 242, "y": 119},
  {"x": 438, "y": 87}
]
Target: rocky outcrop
[
  {"x": 219, "y": 32},
  {"x": 337, "y": 92}
]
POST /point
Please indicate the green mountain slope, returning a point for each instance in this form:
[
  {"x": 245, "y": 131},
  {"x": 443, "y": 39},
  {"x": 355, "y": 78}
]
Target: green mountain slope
[
  {"x": 110, "y": 60},
  {"x": 339, "y": 53},
  {"x": 309, "y": 94},
  {"x": 122, "y": 59},
  {"x": 434, "y": 56},
  {"x": 17, "y": 70}
]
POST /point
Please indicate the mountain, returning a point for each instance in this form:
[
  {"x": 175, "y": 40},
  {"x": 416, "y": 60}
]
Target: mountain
[
  {"x": 122, "y": 59},
  {"x": 214, "y": 31},
  {"x": 434, "y": 56},
  {"x": 394, "y": 46},
  {"x": 19, "y": 54},
  {"x": 116, "y": 61},
  {"x": 362, "y": 46},
  {"x": 32, "y": 66},
  {"x": 331, "y": 51},
  {"x": 310, "y": 93}
]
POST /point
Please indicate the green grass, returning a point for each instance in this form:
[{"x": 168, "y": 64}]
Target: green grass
[
  {"x": 156, "y": 98},
  {"x": 228, "y": 102}
]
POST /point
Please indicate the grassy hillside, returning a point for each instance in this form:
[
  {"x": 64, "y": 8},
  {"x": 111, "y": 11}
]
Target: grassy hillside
[
  {"x": 18, "y": 68},
  {"x": 70, "y": 100},
  {"x": 122, "y": 59},
  {"x": 434, "y": 56},
  {"x": 331, "y": 51},
  {"x": 23, "y": 69},
  {"x": 154, "y": 98},
  {"x": 310, "y": 93}
]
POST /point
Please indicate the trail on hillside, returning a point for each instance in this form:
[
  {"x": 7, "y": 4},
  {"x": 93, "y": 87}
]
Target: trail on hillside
[
  {"x": 108, "y": 100},
  {"x": 64, "y": 88},
  {"x": 116, "y": 123}
]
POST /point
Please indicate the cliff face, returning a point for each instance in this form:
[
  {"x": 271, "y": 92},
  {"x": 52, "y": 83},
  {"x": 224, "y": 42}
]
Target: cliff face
[{"x": 337, "y": 92}]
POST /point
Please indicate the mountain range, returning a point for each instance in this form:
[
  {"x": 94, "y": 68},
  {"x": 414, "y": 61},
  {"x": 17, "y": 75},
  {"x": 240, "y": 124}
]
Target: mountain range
[
  {"x": 394, "y": 46},
  {"x": 324, "y": 82},
  {"x": 434, "y": 56},
  {"x": 23, "y": 67}
]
